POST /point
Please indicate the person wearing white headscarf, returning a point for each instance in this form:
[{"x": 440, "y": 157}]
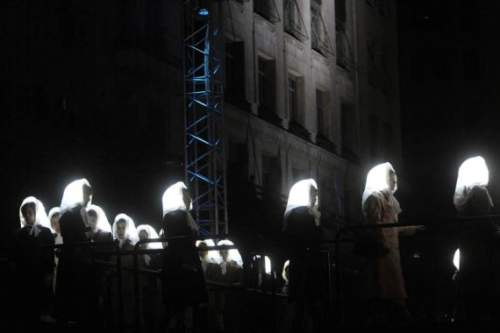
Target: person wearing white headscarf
[
  {"x": 301, "y": 228},
  {"x": 479, "y": 255},
  {"x": 73, "y": 218},
  {"x": 145, "y": 231},
  {"x": 34, "y": 262},
  {"x": 183, "y": 281},
  {"x": 231, "y": 263},
  {"x": 302, "y": 233},
  {"x": 381, "y": 207},
  {"x": 54, "y": 223},
  {"x": 125, "y": 232},
  {"x": 76, "y": 290},
  {"x": 99, "y": 224}
]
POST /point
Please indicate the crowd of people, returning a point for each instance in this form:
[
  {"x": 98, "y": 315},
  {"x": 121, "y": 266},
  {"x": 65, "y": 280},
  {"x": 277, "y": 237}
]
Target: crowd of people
[{"x": 68, "y": 272}]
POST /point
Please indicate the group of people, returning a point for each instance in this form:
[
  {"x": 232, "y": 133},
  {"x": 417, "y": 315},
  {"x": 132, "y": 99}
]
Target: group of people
[
  {"x": 70, "y": 274},
  {"x": 478, "y": 244},
  {"x": 67, "y": 261}
]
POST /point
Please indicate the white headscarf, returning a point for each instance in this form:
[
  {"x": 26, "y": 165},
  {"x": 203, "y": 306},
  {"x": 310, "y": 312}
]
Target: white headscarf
[
  {"x": 233, "y": 255},
  {"x": 152, "y": 234},
  {"x": 300, "y": 196},
  {"x": 267, "y": 263},
  {"x": 55, "y": 210},
  {"x": 472, "y": 172},
  {"x": 102, "y": 220},
  {"x": 130, "y": 230},
  {"x": 173, "y": 199},
  {"x": 213, "y": 255},
  {"x": 52, "y": 212},
  {"x": 41, "y": 219},
  {"x": 283, "y": 272},
  {"x": 73, "y": 195},
  {"x": 378, "y": 180}
]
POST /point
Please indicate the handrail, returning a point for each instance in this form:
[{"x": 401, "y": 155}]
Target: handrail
[
  {"x": 136, "y": 251},
  {"x": 344, "y": 229}
]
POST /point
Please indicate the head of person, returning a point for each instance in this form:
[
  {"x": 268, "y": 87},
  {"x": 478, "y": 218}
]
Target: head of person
[
  {"x": 313, "y": 196},
  {"x": 393, "y": 180},
  {"x": 176, "y": 197},
  {"x": 93, "y": 218},
  {"x": 381, "y": 178},
  {"x": 203, "y": 250},
  {"x": 87, "y": 194},
  {"x": 54, "y": 222},
  {"x": 28, "y": 211},
  {"x": 471, "y": 195},
  {"x": 186, "y": 198},
  {"x": 77, "y": 193},
  {"x": 121, "y": 229}
]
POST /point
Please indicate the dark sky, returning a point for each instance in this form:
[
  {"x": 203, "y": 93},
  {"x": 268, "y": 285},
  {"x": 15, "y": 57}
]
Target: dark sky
[{"x": 448, "y": 77}]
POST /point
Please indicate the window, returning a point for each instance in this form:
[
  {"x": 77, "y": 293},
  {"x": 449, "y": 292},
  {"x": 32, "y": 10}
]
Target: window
[
  {"x": 320, "y": 40},
  {"x": 349, "y": 131},
  {"x": 293, "y": 100},
  {"x": 266, "y": 85},
  {"x": 340, "y": 14},
  {"x": 235, "y": 71},
  {"x": 267, "y": 9},
  {"x": 316, "y": 24},
  {"x": 322, "y": 113},
  {"x": 271, "y": 174},
  {"x": 293, "y": 20}
]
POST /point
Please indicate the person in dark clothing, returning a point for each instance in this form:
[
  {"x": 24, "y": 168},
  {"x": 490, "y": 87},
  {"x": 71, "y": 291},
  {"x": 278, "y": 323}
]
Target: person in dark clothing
[
  {"x": 35, "y": 263},
  {"x": 183, "y": 281},
  {"x": 302, "y": 232},
  {"x": 76, "y": 290},
  {"x": 479, "y": 268}
]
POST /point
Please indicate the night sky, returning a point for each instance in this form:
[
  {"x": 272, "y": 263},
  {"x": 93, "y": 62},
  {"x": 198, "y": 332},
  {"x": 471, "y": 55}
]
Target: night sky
[{"x": 450, "y": 109}]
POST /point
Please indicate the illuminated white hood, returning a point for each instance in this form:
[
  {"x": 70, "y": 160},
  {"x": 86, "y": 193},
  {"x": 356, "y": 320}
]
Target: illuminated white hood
[
  {"x": 472, "y": 172},
  {"x": 41, "y": 218},
  {"x": 152, "y": 234},
  {"x": 378, "y": 180},
  {"x": 73, "y": 195},
  {"x": 300, "y": 196},
  {"x": 173, "y": 199},
  {"x": 130, "y": 230},
  {"x": 102, "y": 221}
]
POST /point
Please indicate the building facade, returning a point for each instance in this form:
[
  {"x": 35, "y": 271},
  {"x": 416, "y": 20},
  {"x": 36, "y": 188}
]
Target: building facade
[{"x": 311, "y": 91}]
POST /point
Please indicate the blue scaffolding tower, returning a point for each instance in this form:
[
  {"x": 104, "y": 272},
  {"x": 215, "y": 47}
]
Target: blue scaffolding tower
[{"x": 204, "y": 128}]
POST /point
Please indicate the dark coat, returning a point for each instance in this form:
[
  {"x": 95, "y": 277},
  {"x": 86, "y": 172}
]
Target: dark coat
[
  {"x": 35, "y": 267},
  {"x": 301, "y": 233},
  {"x": 183, "y": 280},
  {"x": 77, "y": 282}
]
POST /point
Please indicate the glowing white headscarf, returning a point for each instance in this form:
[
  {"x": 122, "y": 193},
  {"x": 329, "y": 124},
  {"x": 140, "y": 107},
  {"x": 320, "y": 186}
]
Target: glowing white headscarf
[
  {"x": 173, "y": 199},
  {"x": 472, "y": 172},
  {"x": 73, "y": 195},
  {"x": 267, "y": 263},
  {"x": 102, "y": 220},
  {"x": 152, "y": 234},
  {"x": 300, "y": 196},
  {"x": 55, "y": 210},
  {"x": 232, "y": 255},
  {"x": 378, "y": 180},
  {"x": 283, "y": 272},
  {"x": 213, "y": 255},
  {"x": 41, "y": 219},
  {"x": 130, "y": 230}
]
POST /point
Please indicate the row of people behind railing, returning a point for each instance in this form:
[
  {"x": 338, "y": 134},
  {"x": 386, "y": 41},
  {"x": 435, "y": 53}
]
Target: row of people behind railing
[
  {"x": 183, "y": 278},
  {"x": 70, "y": 273}
]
